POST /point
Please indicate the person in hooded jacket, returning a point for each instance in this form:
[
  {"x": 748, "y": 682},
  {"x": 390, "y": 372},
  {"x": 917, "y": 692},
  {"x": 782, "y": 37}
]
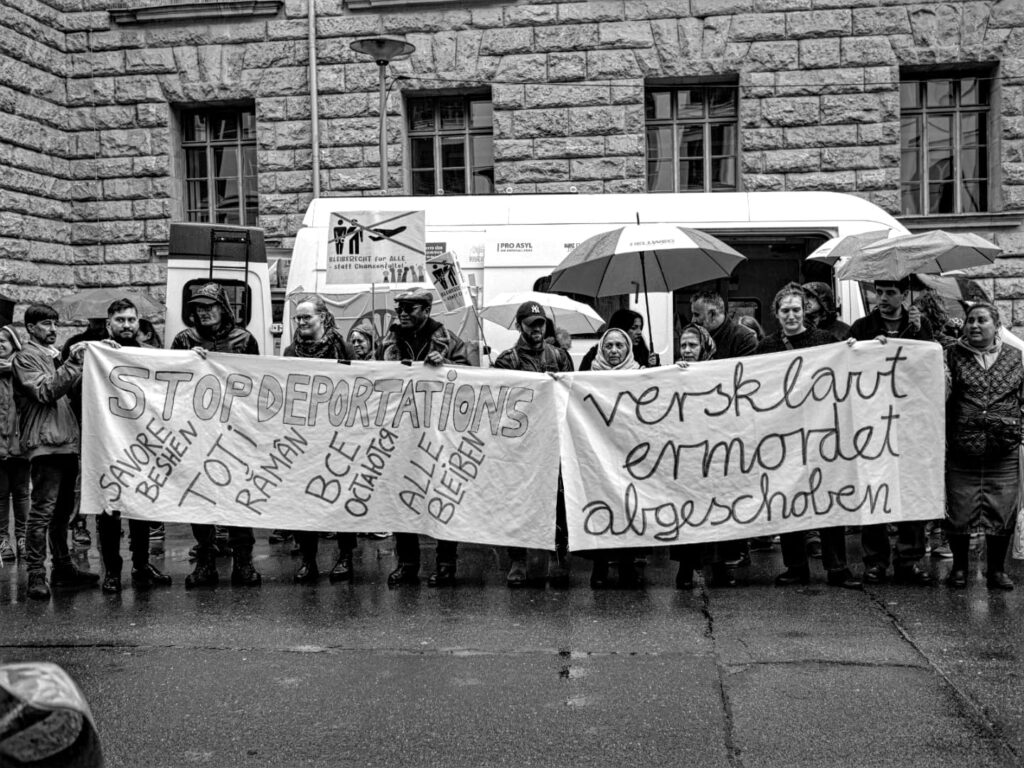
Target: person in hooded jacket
[
  {"x": 212, "y": 328},
  {"x": 317, "y": 337}
]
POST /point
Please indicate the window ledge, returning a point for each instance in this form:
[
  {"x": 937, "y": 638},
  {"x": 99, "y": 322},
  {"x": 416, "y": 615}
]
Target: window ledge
[
  {"x": 993, "y": 220},
  {"x": 364, "y": 5},
  {"x": 190, "y": 11}
]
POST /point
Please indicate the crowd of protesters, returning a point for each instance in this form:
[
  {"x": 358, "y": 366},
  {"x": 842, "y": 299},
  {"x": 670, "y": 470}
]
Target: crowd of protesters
[{"x": 40, "y": 413}]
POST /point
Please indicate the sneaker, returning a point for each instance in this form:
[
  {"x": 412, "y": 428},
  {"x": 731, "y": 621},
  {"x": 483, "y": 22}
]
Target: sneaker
[
  {"x": 157, "y": 532},
  {"x": 37, "y": 589},
  {"x": 6, "y": 550},
  {"x": 80, "y": 535},
  {"x": 940, "y": 548},
  {"x": 22, "y": 548}
]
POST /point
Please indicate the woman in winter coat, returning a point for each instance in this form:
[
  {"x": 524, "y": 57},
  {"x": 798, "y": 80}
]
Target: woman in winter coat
[
  {"x": 633, "y": 324},
  {"x": 984, "y": 397}
]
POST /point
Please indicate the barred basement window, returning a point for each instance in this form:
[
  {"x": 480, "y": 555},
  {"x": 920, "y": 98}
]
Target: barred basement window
[
  {"x": 220, "y": 165},
  {"x": 451, "y": 147},
  {"x": 692, "y": 133},
  {"x": 944, "y": 141}
]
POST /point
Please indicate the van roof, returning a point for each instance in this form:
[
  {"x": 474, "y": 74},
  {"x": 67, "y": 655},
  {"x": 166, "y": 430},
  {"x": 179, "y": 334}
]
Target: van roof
[{"x": 719, "y": 209}]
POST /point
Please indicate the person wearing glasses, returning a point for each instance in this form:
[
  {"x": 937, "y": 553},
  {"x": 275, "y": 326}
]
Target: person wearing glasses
[{"x": 416, "y": 337}]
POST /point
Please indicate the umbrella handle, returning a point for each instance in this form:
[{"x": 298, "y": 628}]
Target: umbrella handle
[{"x": 647, "y": 302}]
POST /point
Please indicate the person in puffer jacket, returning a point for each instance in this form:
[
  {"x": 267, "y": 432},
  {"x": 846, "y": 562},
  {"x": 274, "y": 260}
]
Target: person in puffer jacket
[{"x": 212, "y": 328}]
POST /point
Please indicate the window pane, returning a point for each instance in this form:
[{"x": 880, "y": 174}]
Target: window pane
[
  {"x": 223, "y": 126},
  {"x": 939, "y": 93},
  {"x": 659, "y": 160},
  {"x": 421, "y": 114},
  {"x": 197, "y": 195},
  {"x": 248, "y": 125},
  {"x": 481, "y": 114},
  {"x": 970, "y": 164},
  {"x": 252, "y": 217},
  {"x": 940, "y": 131},
  {"x": 483, "y": 151},
  {"x": 249, "y": 161},
  {"x": 422, "y": 153},
  {"x": 195, "y": 163},
  {"x": 250, "y": 192},
  {"x": 227, "y": 194},
  {"x": 454, "y": 182},
  {"x": 974, "y": 92},
  {"x": 483, "y": 181},
  {"x": 910, "y": 132},
  {"x": 972, "y": 129},
  {"x": 723, "y": 139},
  {"x": 225, "y": 162},
  {"x": 691, "y": 176},
  {"x": 453, "y": 114},
  {"x": 974, "y": 197},
  {"x": 199, "y": 216},
  {"x": 721, "y": 101},
  {"x": 691, "y": 102},
  {"x": 453, "y": 153},
  {"x": 691, "y": 141},
  {"x": 910, "y": 197},
  {"x": 423, "y": 182},
  {"x": 940, "y": 166},
  {"x": 910, "y": 169},
  {"x": 723, "y": 173},
  {"x": 940, "y": 198},
  {"x": 910, "y": 95},
  {"x": 658, "y": 105},
  {"x": 194, "y": 124},
  {"x": 226, "y": 217}
]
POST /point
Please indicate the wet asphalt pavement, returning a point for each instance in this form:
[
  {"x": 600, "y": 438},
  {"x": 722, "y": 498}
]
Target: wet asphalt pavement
[{"x": 479, "y": 675}]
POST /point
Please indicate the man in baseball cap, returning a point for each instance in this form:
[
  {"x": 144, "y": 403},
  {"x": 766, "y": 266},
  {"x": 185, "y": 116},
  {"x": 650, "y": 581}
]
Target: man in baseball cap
[{"x": 533, "y": 353}]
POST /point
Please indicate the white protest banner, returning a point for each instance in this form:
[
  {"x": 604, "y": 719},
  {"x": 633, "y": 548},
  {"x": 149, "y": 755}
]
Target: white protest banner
[
  {"x": 457, "y": 453},
  {"x": 447, "y": 278},
  {"x": 376, "y": 247},
  {"x": 812, "y": 438}
]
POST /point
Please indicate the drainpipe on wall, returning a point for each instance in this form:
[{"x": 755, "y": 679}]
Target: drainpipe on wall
[{"x": 314, "y": 114}]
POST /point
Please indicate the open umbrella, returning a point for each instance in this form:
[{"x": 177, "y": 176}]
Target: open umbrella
[
  {"x": 839, "y": 248},
  {"x": 93, "y": 302},
  {"x": 573, "y": 316},
  {"x": 932, "y": 252},
  {"x": 648, "y": 257}
]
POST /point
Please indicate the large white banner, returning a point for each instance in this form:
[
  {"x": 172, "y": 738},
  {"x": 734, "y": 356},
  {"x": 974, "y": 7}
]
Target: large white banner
[
  {"x": 456, "y": 453},
  {"x": 820, "y": 437}
]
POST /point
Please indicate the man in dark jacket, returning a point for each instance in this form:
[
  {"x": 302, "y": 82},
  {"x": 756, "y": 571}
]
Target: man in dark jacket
[
  {"x": 316, "y": 336},
  {"x": 50, "y": 437},
  {"x": 122, "y": 327},
  {"x": 416, "y": 337},
  {"x": 533, "y": 353},
  {"x": 212, "y": 328},
  {"x": 891, "y": 319},
  {"x": 707, "y": 309}
]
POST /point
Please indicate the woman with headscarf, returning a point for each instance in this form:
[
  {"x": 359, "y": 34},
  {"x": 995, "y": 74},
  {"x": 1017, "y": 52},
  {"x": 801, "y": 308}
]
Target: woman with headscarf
[
  {"x": 633, "y": 324},
  {"x": 615, "y": 353},
  {"x": 984, "y": 397},
  {"x": 821, "y": 312}
]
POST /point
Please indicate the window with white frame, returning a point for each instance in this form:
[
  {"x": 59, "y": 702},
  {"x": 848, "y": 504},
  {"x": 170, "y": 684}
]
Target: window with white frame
[
  {"x": 219, "y": 146},
  {"x": 692, "y": 137},
  {"x": 451, "y": 145}
]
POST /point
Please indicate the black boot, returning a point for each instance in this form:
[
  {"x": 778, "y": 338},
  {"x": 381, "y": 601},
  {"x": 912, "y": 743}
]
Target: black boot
[
  {"x": 995, "y": 548},
  {"x": 444, "y": 576},
  {"x": 244, "y": 573},
  {"x": 205, "y": 572},
  {"x": 148, "y": 575},
  {"x": 959, "y": 545},
  {"x": 405, "y": 573},
  {"x": 342, "y": 570},
  {"x": 308, "y": 572}
]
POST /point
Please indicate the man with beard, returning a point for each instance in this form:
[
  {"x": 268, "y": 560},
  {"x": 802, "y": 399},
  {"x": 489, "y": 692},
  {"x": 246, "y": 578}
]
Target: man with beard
[
  {"x": 415, "y": 337},
  {"x": 212, "y": 329},
  {"x": 533, "y": 353},
  {"x": 316, "y": 336},
  {"x": 122, "y": 328},
  {"x": 50, "y": 438}
]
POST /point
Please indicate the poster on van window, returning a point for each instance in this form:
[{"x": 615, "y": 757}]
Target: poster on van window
[
  {"x": 447, "y": 278},
  {"x": 453, "y": 452},
  {"x": 376, "y": 247}
]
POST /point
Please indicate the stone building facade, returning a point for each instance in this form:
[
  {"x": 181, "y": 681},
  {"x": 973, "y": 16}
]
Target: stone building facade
[{"x": 92, "y": 94}]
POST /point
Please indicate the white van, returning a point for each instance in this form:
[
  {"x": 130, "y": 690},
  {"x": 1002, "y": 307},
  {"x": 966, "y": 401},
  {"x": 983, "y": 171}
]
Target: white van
[{"x": 513, "y": 242}]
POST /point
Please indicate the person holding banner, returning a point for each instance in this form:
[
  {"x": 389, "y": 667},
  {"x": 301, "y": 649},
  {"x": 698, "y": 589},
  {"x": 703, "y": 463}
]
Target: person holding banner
[
  {"x": 212, "y": 328},
  {"x": 633, "y": 324},
  {"x": 415, "y": 337},
  {"x": 533, "y": 353},
  {"x": 316, "y": 336},
  {"x": 360, "y": 340},
  {"x": 122, "y": 330},
  {"x": 51, "y": 439},
  {"x": 984, "y": 397},
  {"x": 788, "y": 307},
  {"x": 890, "y": 319},
  {"x": 615, "y": 353}
]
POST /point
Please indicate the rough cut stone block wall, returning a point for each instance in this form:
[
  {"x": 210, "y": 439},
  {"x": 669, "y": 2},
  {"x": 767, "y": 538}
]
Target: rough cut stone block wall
[{"x": 89, "y": 141}]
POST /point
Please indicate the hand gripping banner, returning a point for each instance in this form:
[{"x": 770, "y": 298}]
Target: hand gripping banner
[
  {"x": 812, "y": 438},
  {"x": 456, "y": 453}
]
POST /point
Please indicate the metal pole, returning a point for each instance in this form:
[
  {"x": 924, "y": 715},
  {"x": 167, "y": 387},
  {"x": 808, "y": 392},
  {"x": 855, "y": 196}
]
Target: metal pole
[
  {"x": 314, "y": 110},
  {"x": 383, "y": 129}
]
